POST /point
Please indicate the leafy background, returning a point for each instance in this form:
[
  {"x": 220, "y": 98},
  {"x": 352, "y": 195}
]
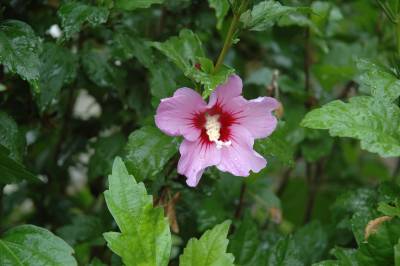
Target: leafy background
[{"x": 79, "y": 84}]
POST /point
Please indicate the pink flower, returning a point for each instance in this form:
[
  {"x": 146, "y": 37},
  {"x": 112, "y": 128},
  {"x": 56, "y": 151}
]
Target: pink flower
[{"x": 221, "y": 133}]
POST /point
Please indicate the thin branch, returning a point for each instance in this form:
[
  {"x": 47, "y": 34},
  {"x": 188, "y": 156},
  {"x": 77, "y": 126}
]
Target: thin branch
[{"x": 239, "y": 208}]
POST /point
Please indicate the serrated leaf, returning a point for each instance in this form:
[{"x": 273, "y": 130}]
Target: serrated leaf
[
  {"x": 183, "y": 50},
  {"x": 265, "y": 14},
  {"x": 74, "y": 15},
  {"x": 209, "y": 250},
  {"x": 373, "y": 121},
  {"x": 145, "y": 238},
  {"x": 19, "y": 50},
  {"x": 148, "y": 151},
  {"x": 187, "y": 53},
  {"x": 381, "y": 81},
  {"x": 58, "y": 67},
  {"x": 33, "y": 246},
  {"x": 221, "y": 9},
  {"x": 130, "y": 5}
]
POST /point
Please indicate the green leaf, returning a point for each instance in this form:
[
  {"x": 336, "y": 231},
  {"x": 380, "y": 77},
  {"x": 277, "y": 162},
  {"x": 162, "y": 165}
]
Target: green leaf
[
  {"x": 277, "y": 146},
  {"x": 130, "y": 5},
  {"x": 182, "y": 50},
  {"x": 186, "y": 52},
  {"x": 397, "y": 254},
  {"x": 83, "y": 228},
  {"x": 389, "y": 210},
  {"x": 221, "y": 9},
  {"x": 148, "y": 151},
  {"x": 373, "y": 121},
  {"x": 210, "y": 249},
  {"x": 11, "y": 170},
  {"x": 58, "y": 67},
  {"x": 11, "y": 138},
  {"x": 265, "y": 14},
  {"x": 19, "y": 50},
  {"x": 145, "y": 238},
  {"x": 31, "y": 245},
  {"x": 105, "y": 149},
  {"x": 382, "y": 82},
  {"x": 312, "y": 241},
  {"x": 285, "y": 252},
  {"x": 378, "y": 249},
  {"x": 316, "y": 145},
  {"x": 245, "y": 244},
  {"x": 127, "y": 45},
  {"x": 74, "y": 15},
  {"x": 99, "y": 68},
  {"x": 162, "y": 80}
]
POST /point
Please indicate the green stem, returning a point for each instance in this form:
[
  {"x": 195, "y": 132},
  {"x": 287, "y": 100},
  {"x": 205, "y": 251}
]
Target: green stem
[
  {"x": 231, "y": 32},
  {"x": 398, "y": 36},
  {"x": 228, "y": 41}
]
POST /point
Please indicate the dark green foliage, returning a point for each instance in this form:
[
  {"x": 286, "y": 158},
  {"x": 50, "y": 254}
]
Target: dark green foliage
[{"x": 82, "y": 160}]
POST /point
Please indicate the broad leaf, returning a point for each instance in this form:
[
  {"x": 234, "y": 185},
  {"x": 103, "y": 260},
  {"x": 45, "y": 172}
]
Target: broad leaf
[
  {"x": 397, "y": 254},
  {"x": 285, "y": 252},
  {"x": 83, "y": 228},
  {"x": 19, "y": 50},
  {"x": 11, "y": 170},
  {"x": 265, "y": 14},
  {"x": 382, "y": 82},
  {"x": 105, "y": 149},
  {"x": 100, "y": 69},
  {"x": 130, "y": 5},
  {"x": 373, "y": 121},
  {"x": 277, "y": 146},
  {"x": 58, "y": 68},
  {"x": 148, "y": 151},
  {"x": 33, "y": 246},
  {"x": 378, "y": 248},
  {"x": 145, "y": 238},
  {"x": 187, "y": 53},
  {"x": 75, "y": 14},
  {"x": 11, "y": 138},
  {"x": 245, "y": 244},
  {"x": 210, "y": 249}
]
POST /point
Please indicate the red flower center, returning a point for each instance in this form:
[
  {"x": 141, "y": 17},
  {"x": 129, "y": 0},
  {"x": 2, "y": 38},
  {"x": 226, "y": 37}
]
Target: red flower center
[{"x": 214, "y": 124}]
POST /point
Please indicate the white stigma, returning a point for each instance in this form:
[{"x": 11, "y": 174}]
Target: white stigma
[{"x": 213, "y": 127}]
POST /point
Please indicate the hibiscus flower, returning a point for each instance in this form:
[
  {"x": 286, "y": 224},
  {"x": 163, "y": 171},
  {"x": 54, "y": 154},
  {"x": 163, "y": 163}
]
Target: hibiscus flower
[{"x": 219, "y": 133}]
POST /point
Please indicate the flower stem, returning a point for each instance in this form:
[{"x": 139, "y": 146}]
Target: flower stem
[
  {"x": 227, "y": 42},
  {"x": 229, "y": 36}
]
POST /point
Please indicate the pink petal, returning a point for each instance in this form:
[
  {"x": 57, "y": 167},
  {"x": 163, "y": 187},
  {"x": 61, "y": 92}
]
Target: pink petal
[
  {"x": 174, "y": 115},
  {"x": 240, "y": 158},
  {"x": 195, "y": 158},
  {"x": 257, "y": 116},
  {"x": 227, "y": 91}
]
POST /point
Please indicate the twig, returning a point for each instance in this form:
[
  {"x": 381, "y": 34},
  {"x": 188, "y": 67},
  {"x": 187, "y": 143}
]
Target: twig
[
  {"x": 283, "y": 182},
  {"x": 344, "y": 94},
  {"x": 314, "y": 182},
  {"x": 229, "y": 36},
  {"x": 239, "y": 208}
]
